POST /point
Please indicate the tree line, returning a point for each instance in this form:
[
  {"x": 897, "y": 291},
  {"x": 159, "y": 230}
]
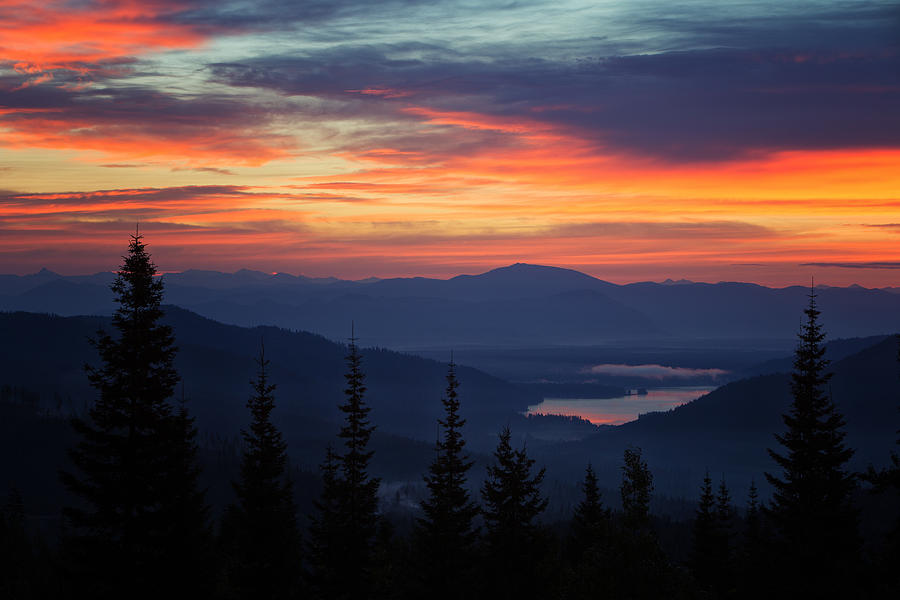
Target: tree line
[{"x": 140, "y": 526}]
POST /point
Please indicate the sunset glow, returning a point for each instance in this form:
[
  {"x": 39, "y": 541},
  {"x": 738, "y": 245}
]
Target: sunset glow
[{"x": 395, "y": 139}]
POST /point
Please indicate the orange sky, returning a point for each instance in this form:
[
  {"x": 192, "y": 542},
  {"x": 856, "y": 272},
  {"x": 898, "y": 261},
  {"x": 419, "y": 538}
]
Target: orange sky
[{"x": 274, "y": 146}]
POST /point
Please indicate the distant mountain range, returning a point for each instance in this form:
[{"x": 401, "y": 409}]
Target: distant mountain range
[{"x": 519, "y": 305}]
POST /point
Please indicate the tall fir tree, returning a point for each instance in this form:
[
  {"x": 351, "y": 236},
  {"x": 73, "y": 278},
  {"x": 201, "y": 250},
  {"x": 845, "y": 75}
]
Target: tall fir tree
[
  {"x": 512, "y": 503},
  {"x": 324, "y": 550},
  {"x": 636, "y": 489},
  {"x": 261, "y": 528},
  {"x": 446, "y": 535},
  {"x": 811, "y": 508},
  {"x": 704, "y": 552},
  {"x": 343, "y": 565},
  {"x": 640, "y": 562},
  {"x": 140, "y": 528},
  {"x": 753, "y": 559},
  {"x": 752, "y": 516},
  {"x": 590, "y": 548},
  {"x": 591, "y": 520},
  {"x": 724, "y": 582}
]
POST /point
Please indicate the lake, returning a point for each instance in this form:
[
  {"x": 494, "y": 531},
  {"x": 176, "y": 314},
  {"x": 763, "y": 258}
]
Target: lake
[{"x": 615, "y": 411}]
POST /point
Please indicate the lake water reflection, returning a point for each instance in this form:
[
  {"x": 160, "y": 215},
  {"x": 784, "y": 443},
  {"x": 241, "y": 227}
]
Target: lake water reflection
[{"x": 615, "y": 411}]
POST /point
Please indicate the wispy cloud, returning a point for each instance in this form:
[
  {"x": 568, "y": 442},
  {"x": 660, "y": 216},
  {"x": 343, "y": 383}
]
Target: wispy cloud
[
  {"x": 654, "y": 371},
  {"x": 856, "y": 265}
]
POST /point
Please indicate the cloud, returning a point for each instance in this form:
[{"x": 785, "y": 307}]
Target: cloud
[
  {"x": 202, "y": 130},
  {"x": 888, "y": 226},
  {"x": 667, "y": 230},
  {"x": 727, "y": 91},
  {"x": 43, "y": 41},
  {"x": 653, "y": 371},
  {"x": 704, "y": 83},
  {"x": 856, "y": 265}
]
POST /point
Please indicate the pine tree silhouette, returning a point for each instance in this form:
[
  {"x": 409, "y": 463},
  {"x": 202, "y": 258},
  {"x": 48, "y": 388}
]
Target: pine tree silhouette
[
  {"x": 591, "y": 520},
  {"x": 636, "y": 488},
  {"x": 325, "y": 533},
  {"x": 811, "y": 508},
  {"x": 753, "y": 559},
  {"x": 346, "y": 525},
  {"x": 724, "y": 580},
  {"x": 262, "y": 527},
  {"x": 140, "y": 528},
  {"x": 512, "y": 502},
  {"x": 704, "y": 554},
  {"x": 446, "y": 536},
  {"x": 590, "y": 544},
  {"x": 642, "y": 566}
]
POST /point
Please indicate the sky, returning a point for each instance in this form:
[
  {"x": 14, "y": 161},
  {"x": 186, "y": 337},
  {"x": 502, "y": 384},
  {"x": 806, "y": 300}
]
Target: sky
[{"x": 643, "y": 140}]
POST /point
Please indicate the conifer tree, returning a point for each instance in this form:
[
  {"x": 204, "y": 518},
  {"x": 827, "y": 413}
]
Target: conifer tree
[
  {"x": 359, "y": 501},
  {"x": 642, "y": 566},
  {"x": 446, "y": 535},
  {"x": 512, "y": 502},
  {"x": 752, "y": 517},
  {"x": 637, "y": 486},
  {"x": 344, "y": 560},
  {"x": 704, "y": 557},
  {"x": 590, "y": 544},
  {"x": 811, "y": 508},
  {"x": 591, "y": 521},
  {"x": 262, "y": 525},
  {"x": 724, "y": 580},
  {"x": 325, "y": 551},
  {"x": 140, "y": 525},
  {"x": 752, "y": 558}
]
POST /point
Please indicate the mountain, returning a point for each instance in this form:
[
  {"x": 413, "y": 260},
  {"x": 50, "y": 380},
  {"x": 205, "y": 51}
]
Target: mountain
[
  {"x": 753, "y": 312},
  {"x": 728, "y": 430},
  {"x": 520, "y": 305},
  {"x": 520, "y": 280},
  {"x": 46, "y": 354}
]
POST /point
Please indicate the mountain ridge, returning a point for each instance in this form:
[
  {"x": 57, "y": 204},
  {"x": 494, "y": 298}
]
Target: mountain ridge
[{"x": 504, "y": 306}]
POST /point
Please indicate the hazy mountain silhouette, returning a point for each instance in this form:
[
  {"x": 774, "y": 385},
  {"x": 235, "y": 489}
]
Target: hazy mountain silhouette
[
  {"x": 520, "y": 280},
  {"x": 520, "y": 305},
  {"x": 46, "y": 354}
]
